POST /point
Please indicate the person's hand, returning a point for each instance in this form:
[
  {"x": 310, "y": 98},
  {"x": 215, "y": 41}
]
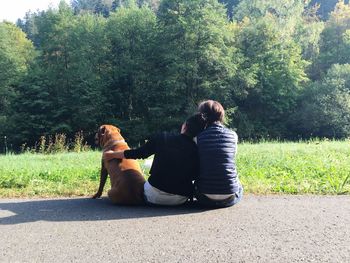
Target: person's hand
[{"x": 108, "y": 155}]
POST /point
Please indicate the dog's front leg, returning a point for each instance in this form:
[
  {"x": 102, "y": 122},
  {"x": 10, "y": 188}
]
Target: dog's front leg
[{"x": 103, "y": 179}]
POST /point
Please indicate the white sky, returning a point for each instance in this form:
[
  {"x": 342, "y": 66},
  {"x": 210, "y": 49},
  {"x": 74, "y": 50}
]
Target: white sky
[{"x": 11, "y": 10}]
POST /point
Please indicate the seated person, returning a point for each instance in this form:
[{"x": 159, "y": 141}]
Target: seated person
[
  {"x": 175, "y": 164},
  {"x": 218, "y": 184}
]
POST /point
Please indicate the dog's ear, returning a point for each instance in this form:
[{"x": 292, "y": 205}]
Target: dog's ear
[{"x": 102, "y": 130}]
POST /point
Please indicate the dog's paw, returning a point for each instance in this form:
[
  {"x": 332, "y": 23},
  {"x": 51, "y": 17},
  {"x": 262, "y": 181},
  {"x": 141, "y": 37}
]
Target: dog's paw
[{"x": 97, "y": 195}]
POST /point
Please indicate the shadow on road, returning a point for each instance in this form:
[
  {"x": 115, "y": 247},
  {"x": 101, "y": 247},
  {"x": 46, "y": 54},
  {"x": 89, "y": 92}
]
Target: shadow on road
[{"x": 81, "y": 209}]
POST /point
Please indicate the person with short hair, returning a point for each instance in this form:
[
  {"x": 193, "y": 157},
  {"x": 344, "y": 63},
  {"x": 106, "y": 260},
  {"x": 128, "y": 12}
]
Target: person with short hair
[
  {"x": 218, "y": 183},
  {"x": 175, "y": 164}
]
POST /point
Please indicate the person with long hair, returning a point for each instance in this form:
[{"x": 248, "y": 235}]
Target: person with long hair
[{"x": 218, "y": 184}]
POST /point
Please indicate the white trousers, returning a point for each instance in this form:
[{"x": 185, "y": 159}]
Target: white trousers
[{"x": 155, "y": 196}]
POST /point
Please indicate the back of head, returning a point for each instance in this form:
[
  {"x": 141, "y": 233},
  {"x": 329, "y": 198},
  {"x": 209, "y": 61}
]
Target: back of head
[
  {"x": 212, "y": 111},
  {"x": 195, "y": 124}
]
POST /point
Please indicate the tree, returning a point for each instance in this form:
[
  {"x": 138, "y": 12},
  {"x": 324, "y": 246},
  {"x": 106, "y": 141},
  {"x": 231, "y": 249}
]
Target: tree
[
  {"x": 105, "y": 7},
  {"x": 294, "y": 18},
  {"x": 16, "y": 53},
  {"x": 64, "y": 92},
  {"x": 277, "y": 73},
  {"x": 28, "y": 26},
  {"x": 32, "y": 110},
  {"x": 335, "y": 47},
  {"x": 324, "y": 108},
  {"x": 195, "y": 56},
  {"x": 326, "y": 7},
  {"x": 102, "y": 7},
  {"x": 286, "y": 12},
  {"x": 308, "y": 36},
  {"x": 131, "y": 32},
  {"x": 230, "y": 6}
]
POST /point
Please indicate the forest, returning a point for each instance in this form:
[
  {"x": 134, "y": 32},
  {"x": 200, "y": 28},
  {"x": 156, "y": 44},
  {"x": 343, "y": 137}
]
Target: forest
[{"x": 281, "y": 69}]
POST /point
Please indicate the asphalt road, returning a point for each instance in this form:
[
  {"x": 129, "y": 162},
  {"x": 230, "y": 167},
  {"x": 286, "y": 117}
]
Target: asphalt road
[{"x": 259, "y": 229}]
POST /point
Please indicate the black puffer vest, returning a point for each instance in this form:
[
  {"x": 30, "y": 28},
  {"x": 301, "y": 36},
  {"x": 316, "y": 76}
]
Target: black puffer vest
[{"x": 217, "y": 147}]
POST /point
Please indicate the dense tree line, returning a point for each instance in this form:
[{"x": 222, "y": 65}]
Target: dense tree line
[{"x": 279, "y": 69}]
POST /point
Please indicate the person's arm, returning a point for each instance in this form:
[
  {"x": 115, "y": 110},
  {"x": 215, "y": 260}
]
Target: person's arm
[{"x": 142, "y": 152}]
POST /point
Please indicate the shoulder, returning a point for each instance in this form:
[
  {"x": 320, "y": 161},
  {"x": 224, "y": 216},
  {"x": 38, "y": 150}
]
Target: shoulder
[
  {"x": 230, "y": 133},
  {"x": 208, "y": 131},
  {"x": 217, "y": 131}
]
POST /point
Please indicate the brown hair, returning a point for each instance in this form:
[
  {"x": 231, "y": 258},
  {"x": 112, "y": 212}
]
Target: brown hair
[{"x": 212, "y": 111}]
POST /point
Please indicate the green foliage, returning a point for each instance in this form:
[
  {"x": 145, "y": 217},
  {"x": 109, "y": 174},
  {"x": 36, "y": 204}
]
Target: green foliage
[
  {"x": 28, "y": 26},
  {"x": 131, "y": 33},
  {"x": 230, "y": 6},
  {"x": 102, "y": 7},
  {"x": 324, "y": 109},
  {"x": 287, "y": 12},
  {"x": 277, "y": 73},
  {"x": 16, "y": 53},
  {"x": 334, "y": 42},
  {"x": 308, "y": 34},
  {"x": 66, "y": 85},
  {"x": 106, "y": 7},
  {"x": 196, "y": 55},
  {"x": 326, "y": 7},
  {"x": 143, "y": 65}
]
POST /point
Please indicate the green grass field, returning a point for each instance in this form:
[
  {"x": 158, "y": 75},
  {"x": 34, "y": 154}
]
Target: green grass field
[
  {"x": 318, "y": 167},
  {"x": 295, "y": 168}
]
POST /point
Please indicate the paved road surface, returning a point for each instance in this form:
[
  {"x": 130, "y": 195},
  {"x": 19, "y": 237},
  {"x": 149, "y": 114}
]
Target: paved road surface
[{"x": 259, "y": 229}]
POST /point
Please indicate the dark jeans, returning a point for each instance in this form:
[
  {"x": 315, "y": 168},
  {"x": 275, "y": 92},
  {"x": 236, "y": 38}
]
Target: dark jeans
[{"x": 205, "y": 201}]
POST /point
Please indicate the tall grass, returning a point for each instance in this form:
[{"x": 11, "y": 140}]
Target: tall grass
[
  {"x": 316, "y": 167},
  {"x": 58, "y": 144}
]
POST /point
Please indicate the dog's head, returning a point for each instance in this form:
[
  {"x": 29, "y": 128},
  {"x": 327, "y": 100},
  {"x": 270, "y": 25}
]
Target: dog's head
[{"x": 107, "y": 133}]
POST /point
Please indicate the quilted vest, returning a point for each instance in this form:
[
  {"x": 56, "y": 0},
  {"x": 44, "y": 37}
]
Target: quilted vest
[{"x": 217, "y": 147}]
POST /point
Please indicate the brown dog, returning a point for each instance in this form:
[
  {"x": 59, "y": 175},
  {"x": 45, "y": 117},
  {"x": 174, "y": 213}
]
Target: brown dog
[{"x": 126, "y": 177}]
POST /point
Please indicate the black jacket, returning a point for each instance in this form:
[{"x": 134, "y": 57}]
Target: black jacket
[{"x": 175, "y": 164}]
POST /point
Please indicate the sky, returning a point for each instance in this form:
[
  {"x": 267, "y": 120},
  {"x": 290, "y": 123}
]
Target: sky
[{"x": 11, "y": 10}]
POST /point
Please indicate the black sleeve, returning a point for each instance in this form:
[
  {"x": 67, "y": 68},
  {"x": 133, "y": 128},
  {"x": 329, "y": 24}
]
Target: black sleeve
[{"x": 142, "y": 152}]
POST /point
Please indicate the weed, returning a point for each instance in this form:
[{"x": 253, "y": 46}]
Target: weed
[
  {"x": 57, "y": 144},
  {"x": 79, "y": 145}
]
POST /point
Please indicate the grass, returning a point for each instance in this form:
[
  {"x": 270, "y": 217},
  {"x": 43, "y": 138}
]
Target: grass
[
  {"x": 63, "y": 174},
  {"x": 316, "y": 167}
]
